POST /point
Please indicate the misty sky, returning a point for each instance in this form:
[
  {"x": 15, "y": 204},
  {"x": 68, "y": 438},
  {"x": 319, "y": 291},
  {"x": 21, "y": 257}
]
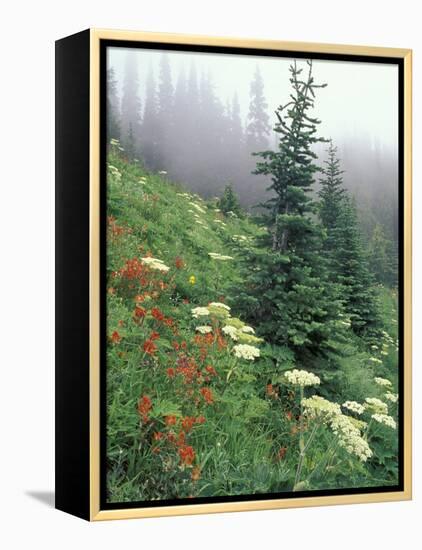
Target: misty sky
[{"x": 361, "y": 99}]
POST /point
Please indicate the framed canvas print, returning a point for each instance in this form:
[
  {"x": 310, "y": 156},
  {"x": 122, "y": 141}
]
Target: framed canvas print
[{"x": 233, "y": 274}]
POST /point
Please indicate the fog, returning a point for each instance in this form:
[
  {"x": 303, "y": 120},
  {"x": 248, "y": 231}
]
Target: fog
[{"x": 358, "y": 110}]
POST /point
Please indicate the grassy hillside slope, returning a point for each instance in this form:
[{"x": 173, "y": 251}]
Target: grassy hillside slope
[{"x": 190, "y": 412}]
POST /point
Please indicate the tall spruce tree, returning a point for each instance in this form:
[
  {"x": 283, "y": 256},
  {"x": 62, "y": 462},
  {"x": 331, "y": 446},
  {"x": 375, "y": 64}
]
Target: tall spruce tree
[
  {"x": 229, "y": 202},
  {"x": 131, "y": 104},
  {"x": 332, "y": 190},
  {"x": 150, "y": 126},
  {"x": 348, "y": 264},
  {"x": 383, "y": 257},
  {"x": 113, "y": 111},
  {"x": 165, "y": 111},
  {"x": 257, "y": 124},
  {"x": 288, "y": 294},
  {"x": 349, "y": 268}
]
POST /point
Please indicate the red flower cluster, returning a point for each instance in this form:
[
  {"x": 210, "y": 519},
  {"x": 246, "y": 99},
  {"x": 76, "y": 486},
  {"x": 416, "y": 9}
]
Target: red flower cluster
[
  {"x": 179, "y": 263},
  {"x": 115, "y": 337},
  {"x": 149, "y": 347},
  {"x": 117, "y": 230},
  {"x": 207, "y": 395},
  {"x": 144, "y": 406},
  {"x": 187, "y": 454},
  {"x": 139, "y": 313}
]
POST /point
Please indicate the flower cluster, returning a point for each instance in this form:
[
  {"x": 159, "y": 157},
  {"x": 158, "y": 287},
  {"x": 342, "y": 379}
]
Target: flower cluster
[
  {"x": 349, "y": 437},
  {"x": 144, "y": 407},
  {"x": 392, "y": 397},
  {"x": 384, "y": 419},
  {"x": 221, "y": 257},
  {"x": 154, "y": 263},
  {"x": 115, "y": 172},
  {"x": 219, "y": 305},
  {"x": 199, "y": 208},
  {"x": 230, "y": 331},
  {"x": 376, "y": 405},
  {"x": 301, "y": 378},
  {"x": 382, "y": 382},
  {"x": 354, "y": 407},
  {"x": 204, "y": 329},
  {"x": 245, "y": 351},
  {"x": 200, "y": 312},
  {"x": 318, "y": 407}
]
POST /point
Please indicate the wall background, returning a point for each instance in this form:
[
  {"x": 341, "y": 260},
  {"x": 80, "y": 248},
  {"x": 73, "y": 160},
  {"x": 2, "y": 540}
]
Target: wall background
[{"x": 27, "y": 274}]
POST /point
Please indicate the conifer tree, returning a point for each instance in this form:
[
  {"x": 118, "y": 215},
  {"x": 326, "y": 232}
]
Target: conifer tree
[
  {"x": 150, "y": 130},
  {"x": 229, "y": 203},
  {"x": 130, "y": 144},
  {"x": 349, "y": 268},
  {"x": 257, "y": 125},
  {"x": 383, "y": 257},
  {"x": 332, "y": 190},
  {"x": 288, "y": 293},
  {"x": 348, "y": 264},
  {"x": 113, "y": 112},
  {"x": 131, "y": 103}
]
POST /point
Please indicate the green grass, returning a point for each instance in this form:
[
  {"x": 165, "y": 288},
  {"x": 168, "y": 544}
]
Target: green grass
[{"x": 246, "y": 433}]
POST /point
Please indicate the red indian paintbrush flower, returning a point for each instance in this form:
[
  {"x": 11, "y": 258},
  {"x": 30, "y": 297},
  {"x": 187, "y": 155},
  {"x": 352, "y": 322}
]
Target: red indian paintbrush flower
[
  {"x": 144, "y": 406},
  {"x": 187, "y": 454},
  {"x": 149, "y": 347},
  {"x": 115, "y": 337},
  {"x": 207, "y": 395}
]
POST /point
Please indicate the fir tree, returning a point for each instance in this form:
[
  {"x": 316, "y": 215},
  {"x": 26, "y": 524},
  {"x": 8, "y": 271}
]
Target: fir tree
[
  {"x": 349, "y": 268},
  {"x": 113, "y": 114},
  {"x": 288, "y": 293},
  {"x": 348, "y": 265},
  {"x": 229, "y": 203},
  {"x": 131, "y": 104},
  {"x": 332, "y": 191},
  {"x": 257, "y": 125},
  {"x": 383, "y": 257},
  {"x": 292, "y": 167},
  {"x": 150, "y": 133},
  {"x": 130, "y": 144}
]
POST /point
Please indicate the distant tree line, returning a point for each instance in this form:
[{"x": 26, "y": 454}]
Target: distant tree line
[{"x": 184, "y": 128}]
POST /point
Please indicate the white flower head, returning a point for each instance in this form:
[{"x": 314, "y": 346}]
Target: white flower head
[
  {"x": 385, "y": 419},
  {"x": 204, "y": 329},
  {"x": 354, "y": 406},
  {"x": 247, "y": 330},
  {"x": 301, "y": 378},
  {"x": 231, "y": 331},
  {"x": 220, "y": 257},
  {"x": 199, "y": 312},
  {"x": 220, "y": 305},
  {"x": 319, "y": 407},
  {"x": 244, "y": 351},
  {"x": 349, "y": 437},
  {"x": 392, "y": 397},
  {"x": 376, "y": 405},
  {"x": 154, "y": 263},
  {"x": 382, "y": 381}
]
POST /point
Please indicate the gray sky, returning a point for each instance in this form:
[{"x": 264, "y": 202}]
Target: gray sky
[{"x": 360, "y": 99}]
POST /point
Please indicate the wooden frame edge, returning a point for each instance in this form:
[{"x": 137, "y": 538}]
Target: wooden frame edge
[{"x": 96, "y": 514}]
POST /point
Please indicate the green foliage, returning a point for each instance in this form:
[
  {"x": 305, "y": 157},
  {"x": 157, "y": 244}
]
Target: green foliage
[
  {"x": 229, "y": 203},
  {"x": 383, "y": 256},
  {"x": 349, "y": 269}
]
